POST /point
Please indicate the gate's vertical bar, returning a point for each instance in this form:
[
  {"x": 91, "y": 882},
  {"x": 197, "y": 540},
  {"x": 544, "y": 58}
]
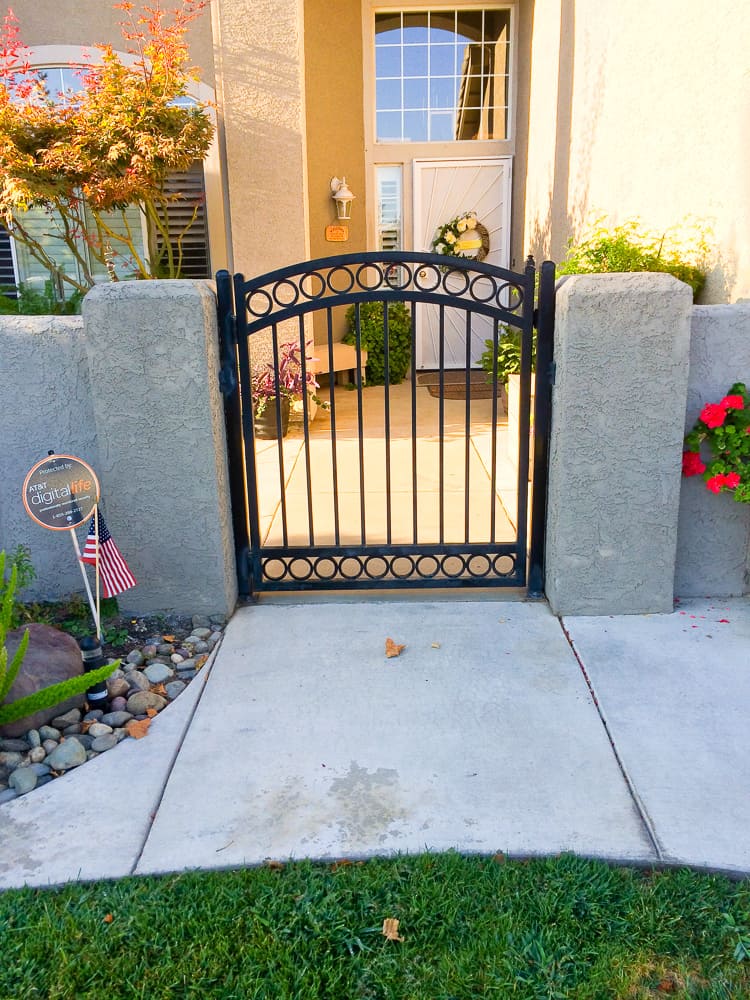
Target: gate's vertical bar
[
  {"x": 524, "y": 416},
  {"x": 414, "y": 497},
  {"x": 306, "y": 426},
  {"x": 279, "y": 437},
  {"x": 360, "y": 421},
  {"x": 332, "y": 403},
  {"x": 230, "y": 387},
  {"x": 248, "y": 431},
  {"x": 545, "y": 325},
  {"x": 467, "y": 442},
  {"x": 493, "y": 432},
  {"x": 387, "y": 403},
  {"x": 441, "y": 421}
]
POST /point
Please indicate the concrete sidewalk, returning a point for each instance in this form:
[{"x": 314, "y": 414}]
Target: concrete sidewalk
[{"x": 499, "y": 728}]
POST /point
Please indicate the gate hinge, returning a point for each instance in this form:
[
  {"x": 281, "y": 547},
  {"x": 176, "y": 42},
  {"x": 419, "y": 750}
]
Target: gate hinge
[{"x": 227, "y": 375}]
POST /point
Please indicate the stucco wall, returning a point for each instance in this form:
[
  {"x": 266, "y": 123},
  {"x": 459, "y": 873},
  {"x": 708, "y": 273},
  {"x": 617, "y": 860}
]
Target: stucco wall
[
  {"x": 649, "y": 109},
  {"x": 713, "y": 555},
  {"x": 45, "y": 390},
  {"x": 621, "y": 350},
  {"x": 93, "y": 22},
  {"x": 132, "y": 389},
  {"x": 260, "y": 67}
]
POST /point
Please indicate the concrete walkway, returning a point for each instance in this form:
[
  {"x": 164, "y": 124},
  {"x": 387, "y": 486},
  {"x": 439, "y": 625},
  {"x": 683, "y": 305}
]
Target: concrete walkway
[{"x": 499, "y": 728}]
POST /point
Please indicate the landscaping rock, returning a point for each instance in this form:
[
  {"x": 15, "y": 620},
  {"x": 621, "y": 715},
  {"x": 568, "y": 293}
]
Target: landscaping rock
[
  {"x": 23, "y": 780},
  {"x": 201, "y": 646},
  {"x": 165, "y": 649},
  {"x": 118, "y": 705},
  {"x": 22, "y": 746},
  {"x": 72, "y": 730},
  {"x": 51, "y": 657},
  {"x": 201, "y": 621},
  {"x": 68, "y": 754},
  {"x": 84, "y": 739},
  {"x": 39, "y": 769},
  {"x": 70, "y": 718},
  {"x": 116, "y": 719},
  {"x": 174, "y": 688},
  {"x": 202, "y": 633},
  {"x": 143, "y": 700},
  {"x": 135, "y": 656},
  {"x": 49, "y": 733},
  {"x": 138, "y": 681},
  {"x": 99, "y": 729},
  {"x": 117, "y": 688},
  {"x": 33, "y": 738},
  {"x": 37, "y": 755},
  {"x": 10, "y": 759},
  {"x": 185, "y": 665},
  {"x": 49, "y": 745},
  {"x": 94, "y": 715},
  {"x": 157, "y": 673},
  {"x": 104, "y": 742}
]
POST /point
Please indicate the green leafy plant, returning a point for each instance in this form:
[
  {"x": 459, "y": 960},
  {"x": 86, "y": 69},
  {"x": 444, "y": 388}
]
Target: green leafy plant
[
  {"x": 372, "y": 339},
  {"x": 21, "y": 565},
  {"x": 9, "y": 671},
  {"x": 32, "y": 302},
  {"x": 724, "y": 428},
  {"x": 54, "y": 694},
  {"x": 630, "y": 247},
  {"x": 508, "y": 354}
]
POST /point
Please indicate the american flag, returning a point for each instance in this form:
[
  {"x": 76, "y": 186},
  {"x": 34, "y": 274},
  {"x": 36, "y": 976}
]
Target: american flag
[{"x": 115, "y": 574}]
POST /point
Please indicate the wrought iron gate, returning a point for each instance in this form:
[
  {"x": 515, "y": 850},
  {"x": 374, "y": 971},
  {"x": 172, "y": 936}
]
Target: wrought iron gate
[{"x": 395, "y": 485}]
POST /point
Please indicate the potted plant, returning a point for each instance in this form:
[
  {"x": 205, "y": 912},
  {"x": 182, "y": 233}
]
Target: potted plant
[{"x": 289, "y": 385}]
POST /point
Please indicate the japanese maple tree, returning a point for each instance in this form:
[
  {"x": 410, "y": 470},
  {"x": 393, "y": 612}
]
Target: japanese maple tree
[{"x": 110, "y": 144}]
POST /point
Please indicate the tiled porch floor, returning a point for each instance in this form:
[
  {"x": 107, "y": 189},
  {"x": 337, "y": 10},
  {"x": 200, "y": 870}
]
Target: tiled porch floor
[{"x": 374, "y": 498}]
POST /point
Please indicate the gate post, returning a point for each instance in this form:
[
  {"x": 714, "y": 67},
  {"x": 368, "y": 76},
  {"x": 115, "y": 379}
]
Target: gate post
[{"x": 621, "y": 351}]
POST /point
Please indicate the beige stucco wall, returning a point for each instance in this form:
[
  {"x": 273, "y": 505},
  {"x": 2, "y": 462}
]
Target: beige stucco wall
[
  {"x": 642, "y": 109},
  {"x": 93, "y": 22},
  {"x": 260, "y": 90}
]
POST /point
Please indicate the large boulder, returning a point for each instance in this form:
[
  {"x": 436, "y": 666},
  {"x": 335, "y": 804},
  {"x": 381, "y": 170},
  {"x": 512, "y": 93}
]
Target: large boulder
[{"x": 52, "y": 656}]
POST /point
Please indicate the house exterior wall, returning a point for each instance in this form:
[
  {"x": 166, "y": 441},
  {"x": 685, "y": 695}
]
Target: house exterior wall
[{"x": 652, "y": 119}]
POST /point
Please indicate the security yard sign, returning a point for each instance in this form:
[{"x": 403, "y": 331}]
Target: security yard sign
[{"x": 60, "y": 492}]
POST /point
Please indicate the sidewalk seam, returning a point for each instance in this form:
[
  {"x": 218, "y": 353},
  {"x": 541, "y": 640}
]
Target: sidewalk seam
[
  {"x": 637, "y": 802},
  {"x": 206, "y": 672}
]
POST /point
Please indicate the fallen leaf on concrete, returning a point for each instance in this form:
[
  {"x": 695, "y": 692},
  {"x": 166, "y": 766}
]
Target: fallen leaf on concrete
[
  {"x": 151, "y": 713},
  {"x": 137, "y": 728},
  {"x": 200, "y": 661},
  {"x": 435, "y": 645},
  {"x": 393, "y": 648},
  {"x": 390, "y": 929}
]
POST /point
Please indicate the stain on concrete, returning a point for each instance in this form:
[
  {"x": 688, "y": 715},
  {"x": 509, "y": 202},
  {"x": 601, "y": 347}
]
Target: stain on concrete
[{"x": 368, "y": 803}]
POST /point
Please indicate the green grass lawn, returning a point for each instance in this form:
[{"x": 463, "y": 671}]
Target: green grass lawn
[{"x": 471, "y": 927}]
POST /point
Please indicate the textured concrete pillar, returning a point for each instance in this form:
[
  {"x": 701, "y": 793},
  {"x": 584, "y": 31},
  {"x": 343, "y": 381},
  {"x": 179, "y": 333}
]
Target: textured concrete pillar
[
  {"x": 152, "y": 349},
  {"x": 621, "y": 349}
]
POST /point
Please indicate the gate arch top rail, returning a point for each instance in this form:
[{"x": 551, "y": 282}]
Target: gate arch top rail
[{"x": 387, "y": 275}]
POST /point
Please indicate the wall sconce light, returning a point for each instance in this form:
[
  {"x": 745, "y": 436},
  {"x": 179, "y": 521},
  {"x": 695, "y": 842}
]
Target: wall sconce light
[{"x": 343, "y": 197}]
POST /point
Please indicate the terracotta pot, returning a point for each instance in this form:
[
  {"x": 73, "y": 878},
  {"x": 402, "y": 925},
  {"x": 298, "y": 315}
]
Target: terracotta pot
[{"x": 265, "y": 424}]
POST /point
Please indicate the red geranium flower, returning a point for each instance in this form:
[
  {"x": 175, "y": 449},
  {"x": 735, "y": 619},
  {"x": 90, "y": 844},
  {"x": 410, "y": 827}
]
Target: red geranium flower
[
  {"x": 691, "y": 464},
  {"x": 732, "y": 479},
  {"x": 713, "y": 414},
  {"x": 733, "y": 403},
  {"x": 715, "y": 483}
]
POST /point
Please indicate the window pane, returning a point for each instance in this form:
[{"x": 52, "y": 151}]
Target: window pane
[
  {"x": 415, "y": 93},
  {"x": 388, "y": 126},
  {"x": 389, "y": 208},
  {"x": 415, "y": 60},
  {"x": 387, "y": 61},
  {"x": 454, "y": 65},
  {"x": 388, "y": 94},
  {"x": 415, "y": 126}
]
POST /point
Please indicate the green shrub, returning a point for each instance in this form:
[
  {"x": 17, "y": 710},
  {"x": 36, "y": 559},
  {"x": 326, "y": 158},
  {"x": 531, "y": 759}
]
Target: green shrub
[
  {"x": 21, "y": 565},
  {"x": 508, "y": 354},
  {"x": 631, "y": 248},
  {"x": 32, "y": 302},
  {"x": 9, "y": 671},
  {"x": 372, "y": 339}
]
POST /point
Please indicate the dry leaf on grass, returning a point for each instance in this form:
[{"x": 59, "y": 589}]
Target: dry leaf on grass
[
  {"x": 393, "y": 649},
  {"x": 390, "y": 929},
  {"x": 275, "y": 866},
  {"x": 137, "y": 729},
  {"x": 108, "y": 918}
]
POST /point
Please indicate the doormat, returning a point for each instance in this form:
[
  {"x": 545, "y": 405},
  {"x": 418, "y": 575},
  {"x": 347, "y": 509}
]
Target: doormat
[{"x": 454, "y": 385}]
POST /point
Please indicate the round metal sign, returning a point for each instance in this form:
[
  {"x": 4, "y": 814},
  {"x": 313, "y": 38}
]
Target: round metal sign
[{"x": 60, "y": 492}]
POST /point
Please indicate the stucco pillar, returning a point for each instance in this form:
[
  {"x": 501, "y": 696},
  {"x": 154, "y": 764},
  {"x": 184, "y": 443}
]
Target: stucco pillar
[
  {"x": 152, "y": 350},
  {"x": 618, "y": 412},
  {"x": 258, "y": 55}
]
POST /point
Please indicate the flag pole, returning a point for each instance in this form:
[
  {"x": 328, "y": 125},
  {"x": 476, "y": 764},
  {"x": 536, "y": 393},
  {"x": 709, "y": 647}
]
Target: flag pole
[
  {"x": 98, "y": 555},
  {"x": 85, "y": 578}
]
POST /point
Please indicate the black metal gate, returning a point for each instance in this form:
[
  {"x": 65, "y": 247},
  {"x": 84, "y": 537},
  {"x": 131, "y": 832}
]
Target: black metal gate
[{"x": 389, "y": 486}]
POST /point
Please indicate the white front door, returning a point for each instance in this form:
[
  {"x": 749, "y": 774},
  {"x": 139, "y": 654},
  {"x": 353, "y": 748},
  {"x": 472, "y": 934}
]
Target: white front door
[{"x": 444, "y": 189}]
